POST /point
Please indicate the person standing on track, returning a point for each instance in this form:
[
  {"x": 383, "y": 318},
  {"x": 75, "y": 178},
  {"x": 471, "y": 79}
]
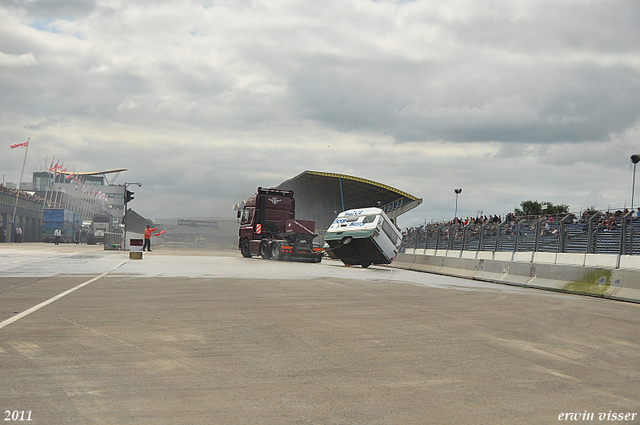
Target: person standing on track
[{"x": 147, "y": 238}]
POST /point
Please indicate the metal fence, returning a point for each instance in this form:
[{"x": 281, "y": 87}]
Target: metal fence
[
  {"x": 600, "y": 233},
  {"x": 112, "y": 240}
]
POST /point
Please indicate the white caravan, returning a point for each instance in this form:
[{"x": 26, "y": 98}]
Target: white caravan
[{"x": 363, "y": 237}]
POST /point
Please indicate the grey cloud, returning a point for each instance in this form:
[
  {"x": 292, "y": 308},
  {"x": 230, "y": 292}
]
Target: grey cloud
[
  {"x": 17, "y": 61},
  {"x": 48, "y": 122},
  {"x": 421, "y": 95},
  {"x": 547, "y": 26},
  {"x": 581, "y": 102},
  {"x": 52, "y": 9},
  {"x": 476, "y": 92}
]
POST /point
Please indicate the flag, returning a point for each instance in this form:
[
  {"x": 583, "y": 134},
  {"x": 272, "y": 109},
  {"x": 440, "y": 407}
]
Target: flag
[
  {"x": 159, "y": 233},
  {"x": 67, "y": 177},
  {"x": 17, "y": 145}
]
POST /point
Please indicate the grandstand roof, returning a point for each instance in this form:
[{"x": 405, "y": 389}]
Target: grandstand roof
[
  {"x": 320, "y": 196},
  {"x": 93, "y": 173}
]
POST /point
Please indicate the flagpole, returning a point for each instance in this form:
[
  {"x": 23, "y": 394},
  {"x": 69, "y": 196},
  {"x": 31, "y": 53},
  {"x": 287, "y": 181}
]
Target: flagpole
[
  {"x": 13, "y": 222},
  {"x": 57, "y": 191},
  {"x": 48, "y": 184}
]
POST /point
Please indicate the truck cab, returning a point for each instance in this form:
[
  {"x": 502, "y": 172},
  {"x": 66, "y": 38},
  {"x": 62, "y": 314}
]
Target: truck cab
[
  {"x": 269, "y": 228},
  {"x": 265, "y": 213}
]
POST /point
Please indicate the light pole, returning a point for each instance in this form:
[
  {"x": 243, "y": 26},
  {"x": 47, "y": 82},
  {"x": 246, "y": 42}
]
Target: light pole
[
  {"x": 634, "y": 159},
  {"x": 457, "y": 192},
  {"x": 127, "y": 197}
]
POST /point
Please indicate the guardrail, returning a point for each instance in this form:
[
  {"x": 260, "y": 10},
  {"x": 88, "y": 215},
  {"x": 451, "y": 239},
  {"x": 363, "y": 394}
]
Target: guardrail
[
  {"x": 112, "y": 240},
  {"x": 615, "y": 235}
]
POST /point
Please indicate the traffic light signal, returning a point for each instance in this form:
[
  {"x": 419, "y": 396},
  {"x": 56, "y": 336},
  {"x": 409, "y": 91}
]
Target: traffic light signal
[{"x": 128, "y": 196}]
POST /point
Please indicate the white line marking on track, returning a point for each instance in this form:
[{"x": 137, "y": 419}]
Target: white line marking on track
[{"x": 56, "y": 298}]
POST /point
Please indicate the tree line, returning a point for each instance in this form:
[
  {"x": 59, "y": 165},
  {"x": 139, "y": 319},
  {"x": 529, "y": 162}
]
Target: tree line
[{"x": 535, "y": 208}]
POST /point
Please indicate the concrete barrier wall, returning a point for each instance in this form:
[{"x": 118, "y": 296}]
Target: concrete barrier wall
[
  {"x": 155, "y": 240},
  {"x": 607, "y": 276},
  {"x": 629, "y": 262}
]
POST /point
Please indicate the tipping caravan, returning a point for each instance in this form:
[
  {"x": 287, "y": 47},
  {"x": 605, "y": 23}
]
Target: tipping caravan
[{"x": 363, "y": 237}]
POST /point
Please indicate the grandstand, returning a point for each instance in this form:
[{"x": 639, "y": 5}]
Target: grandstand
[
  {"x": 84, "y": 194},
  {"x": 28, "y": 214},
  {"x": 321, "y": 196},
  {"x": 599, "y": 233}
]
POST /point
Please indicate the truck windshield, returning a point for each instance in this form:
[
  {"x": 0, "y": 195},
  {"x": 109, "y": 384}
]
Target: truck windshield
[{"x": 245, "y": 215}]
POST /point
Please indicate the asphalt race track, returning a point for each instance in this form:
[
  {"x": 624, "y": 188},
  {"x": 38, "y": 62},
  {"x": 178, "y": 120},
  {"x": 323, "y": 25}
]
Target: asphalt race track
[{"x": 88, "y": 336}]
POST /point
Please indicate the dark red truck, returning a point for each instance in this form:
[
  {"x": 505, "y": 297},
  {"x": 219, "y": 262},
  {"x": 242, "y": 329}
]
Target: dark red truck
[{"x": 269, "y": 228}]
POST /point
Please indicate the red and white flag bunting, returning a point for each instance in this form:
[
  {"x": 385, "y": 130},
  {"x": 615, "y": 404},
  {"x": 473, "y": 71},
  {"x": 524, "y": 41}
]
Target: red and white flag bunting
[{"x": 17, "y": 145}]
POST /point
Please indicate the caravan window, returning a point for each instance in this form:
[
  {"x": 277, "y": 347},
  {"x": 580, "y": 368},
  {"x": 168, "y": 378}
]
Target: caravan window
[
  {"x": 388, "y": 230},
  {"x": 369, "y": 219}
]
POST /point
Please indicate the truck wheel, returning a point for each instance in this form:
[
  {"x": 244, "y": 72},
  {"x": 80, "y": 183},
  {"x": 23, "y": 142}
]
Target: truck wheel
[
  {"x": 275, "y": 251},
  {"x": 245, "y": 249},
  {"x": 264, "y": 249},
  {"x": 365, "y": 265}
]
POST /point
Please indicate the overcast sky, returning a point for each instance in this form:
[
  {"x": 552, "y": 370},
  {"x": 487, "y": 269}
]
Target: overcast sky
[{"x": 203, "y": 101}]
